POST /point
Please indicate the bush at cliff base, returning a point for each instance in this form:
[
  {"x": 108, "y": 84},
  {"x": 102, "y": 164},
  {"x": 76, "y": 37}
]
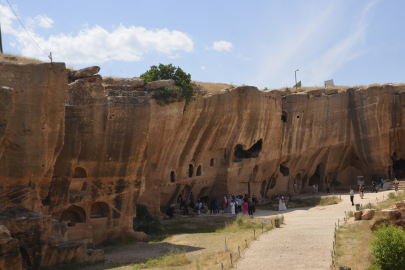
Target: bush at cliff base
[
  {"x": 388, "y": 247},
  {"x": 145, "y": 221},
  {"x": 167, "y": 95}
]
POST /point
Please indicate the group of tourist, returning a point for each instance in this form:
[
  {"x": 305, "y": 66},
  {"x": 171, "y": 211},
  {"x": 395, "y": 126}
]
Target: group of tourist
[
  {"x": 240, "y": 203},
  {"x": 374, "y": 188},
  {"x": 230, "y": 203}
]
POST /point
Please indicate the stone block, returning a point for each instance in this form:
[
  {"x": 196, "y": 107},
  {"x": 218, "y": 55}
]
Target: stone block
[
  {"x": 160, "y": 84},
  {"x": 368, "y": 214},
  {"x": 316, "y": 93},
  {"x": 331, "y": 91},
  {"x": 357, "y": 215},
  {"x": 84, "y": 73},
  {"x": 391, "y": 214}
]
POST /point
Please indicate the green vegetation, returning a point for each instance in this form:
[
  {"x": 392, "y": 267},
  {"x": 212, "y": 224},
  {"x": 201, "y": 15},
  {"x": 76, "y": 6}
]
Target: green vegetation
[
  {"x": 296, "y": 203},
  {"x": 388, "y": 247},
  {"x": 168, "y": 95},
  {"x": 145, "y": 221},
  {"x": 174, "y": 258},
  {"x": 359, "y": 247},
  {"x": 392, "y": 199}
]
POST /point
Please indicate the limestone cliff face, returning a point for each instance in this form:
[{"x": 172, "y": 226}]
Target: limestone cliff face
[
  {"x": 340, "y": 136},
  {"x": 205, "y": 150},
  {"x": 84, "y": 151},
  {"x": 31, "y": 132}
]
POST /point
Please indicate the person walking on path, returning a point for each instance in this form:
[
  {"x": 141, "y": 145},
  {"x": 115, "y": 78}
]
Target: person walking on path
[
  {"x": 245, "y": 206},
  {"x": 254, "y": 201},
  {"x": 281, "y": 203},
  {"x": 212, "y": 205},
  {"x": 295, "y": 187},
  {"x": 328, "y": 188},
  {"x": 180, "y": 200},
  {"x": 250, "y": 207},
  {"x": 233, "y": 208},
  {"x": 361, "y": 192},
  {"x": 225, "y": 205},
  {"x": 374, "y": 188},
  {"x": 352, "y": 196},
  {"x": 382, "y": 182},
  {"x": 396, "y": 185}
]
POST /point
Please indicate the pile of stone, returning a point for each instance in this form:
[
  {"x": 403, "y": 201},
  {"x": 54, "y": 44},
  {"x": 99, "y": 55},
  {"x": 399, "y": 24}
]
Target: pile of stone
[{"x": 365, "y": 214}]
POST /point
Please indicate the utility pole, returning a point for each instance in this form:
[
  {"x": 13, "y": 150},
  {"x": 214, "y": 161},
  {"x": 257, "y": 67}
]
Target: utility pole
[
  {"x": 1, "y": 45},
  {"x": 296, "y": 79}
]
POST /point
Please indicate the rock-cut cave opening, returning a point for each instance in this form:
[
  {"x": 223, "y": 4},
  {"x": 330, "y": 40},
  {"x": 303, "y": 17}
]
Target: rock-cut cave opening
[{"x": 252, "y": 152}]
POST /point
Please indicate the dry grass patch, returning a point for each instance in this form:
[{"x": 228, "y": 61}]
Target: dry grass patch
[
  {"x": 297, "y": 203},
  {"x": 197, "y": 243},
  {"x": 352, "y": 245},
  {"x": 14, "y": 58}
]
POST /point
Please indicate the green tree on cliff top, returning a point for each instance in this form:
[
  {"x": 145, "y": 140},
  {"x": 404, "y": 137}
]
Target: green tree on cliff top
[{"x": 168, "y": 95}]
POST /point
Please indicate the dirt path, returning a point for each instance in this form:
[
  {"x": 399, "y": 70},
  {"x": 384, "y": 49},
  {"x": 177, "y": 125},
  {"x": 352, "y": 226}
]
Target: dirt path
[{"x": 305, "y": 240}]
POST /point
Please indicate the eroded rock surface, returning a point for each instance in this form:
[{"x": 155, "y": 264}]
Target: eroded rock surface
[{"x": 84, "y": 153}]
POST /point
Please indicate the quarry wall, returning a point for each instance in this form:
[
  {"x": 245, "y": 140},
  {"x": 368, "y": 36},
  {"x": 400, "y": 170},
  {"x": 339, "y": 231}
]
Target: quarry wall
[{"x": 78, "y": 152}]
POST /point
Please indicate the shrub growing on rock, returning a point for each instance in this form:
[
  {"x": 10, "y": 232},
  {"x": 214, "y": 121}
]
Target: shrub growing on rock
[
  {"x": 145, "y": 221},
  {"x": 388, "y": 247},
  {"x": 167, "y": 95}
]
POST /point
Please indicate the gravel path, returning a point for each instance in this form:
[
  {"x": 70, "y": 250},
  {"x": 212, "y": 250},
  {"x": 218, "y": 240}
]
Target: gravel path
[{"x": 305, "y": 240}]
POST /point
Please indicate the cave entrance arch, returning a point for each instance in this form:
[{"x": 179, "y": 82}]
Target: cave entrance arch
[
  {"x": 203, "y": 192},
  {"x": 199, "y": 171},
  {"x": 79, "y": 172},
  {"x": 190, "y": 170},
  {"x": 26, "y": 262},
  {"x": 74, "y": 214},
  {"x": 99, "y": 210},
  {"x": 398, "y": 166},
  {"x": 316, "y": 177},
  {"x": 297, "y": 182},
  {"x": 253, "y": 152}
]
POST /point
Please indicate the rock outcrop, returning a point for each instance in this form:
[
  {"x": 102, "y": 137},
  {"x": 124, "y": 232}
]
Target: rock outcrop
[{"x": 83, "y": 151}]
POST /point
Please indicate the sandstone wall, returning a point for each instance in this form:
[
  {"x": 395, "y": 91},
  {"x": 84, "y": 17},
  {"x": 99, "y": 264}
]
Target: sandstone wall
[
  {"x": 34, "y": 130},
  {"x": 84, "y": 151}
]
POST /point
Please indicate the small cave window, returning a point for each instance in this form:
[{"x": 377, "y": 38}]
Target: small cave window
[
  {"x": 172, "y": 178},
  {"x": 284, "y": 170},
  {"x": 252, "y": 152},
  {"x": 212, "y": 162},
  {"x": 298, "y": 116},
  {"x": 79, "y": 173},
  {"x": 75, "y": 214},
  {"x": 47, "y": 200},
  {"x": 284, "y": 117},
  {"x": 199, "y": 171},
  {"x": 99, "y": 210},
  {"x": 190, "y": 170}
]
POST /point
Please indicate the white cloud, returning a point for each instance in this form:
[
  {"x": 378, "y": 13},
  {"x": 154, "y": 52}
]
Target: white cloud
[
  {"x": 202, "y": 67},
  {"x": 44, "y": 21},
  {"x": 96, "y": 44},
  {"x": 221, "y": 46}
]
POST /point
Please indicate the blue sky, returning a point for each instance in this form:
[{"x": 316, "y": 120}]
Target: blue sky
[{"x": 258, "y": 43}]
